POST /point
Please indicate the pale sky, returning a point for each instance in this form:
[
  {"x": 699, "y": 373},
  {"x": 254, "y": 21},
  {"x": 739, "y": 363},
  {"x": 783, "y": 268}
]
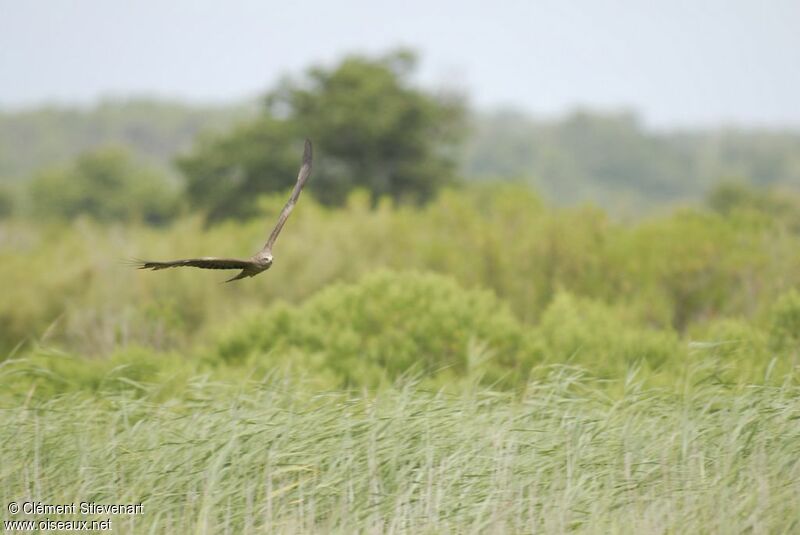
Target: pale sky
[{"x": 678, "y": 63}]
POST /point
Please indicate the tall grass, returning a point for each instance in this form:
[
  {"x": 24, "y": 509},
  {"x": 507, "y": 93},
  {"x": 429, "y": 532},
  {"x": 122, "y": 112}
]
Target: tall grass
[{"x": 273, "y": 457}]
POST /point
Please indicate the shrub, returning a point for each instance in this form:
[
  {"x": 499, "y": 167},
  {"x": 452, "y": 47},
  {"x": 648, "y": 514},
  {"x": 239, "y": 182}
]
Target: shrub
[
  {"x": 46, "y": 372},
  {"x": 384, "y": 326},
  {"x": 743, "y": 351},
  {"x": 784, "y": 323},
  {"x": 607, "y": 340},
  {"x": 734, "y": 339}
]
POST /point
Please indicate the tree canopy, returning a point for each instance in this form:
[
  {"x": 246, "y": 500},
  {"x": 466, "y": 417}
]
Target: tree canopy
[{"x": 371, "y": 127}]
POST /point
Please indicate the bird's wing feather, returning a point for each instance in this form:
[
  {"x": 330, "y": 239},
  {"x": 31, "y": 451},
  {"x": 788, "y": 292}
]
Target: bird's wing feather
[
  {"x": 206, "y": 262},
  {"x": 302, "y": 177}
]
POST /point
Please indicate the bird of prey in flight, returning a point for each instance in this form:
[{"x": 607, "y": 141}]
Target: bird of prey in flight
[{"x": 262, "y": 260}]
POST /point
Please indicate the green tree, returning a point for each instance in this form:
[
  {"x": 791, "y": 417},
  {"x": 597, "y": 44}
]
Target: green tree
[
  {"x": 105, "y": 184},
  {"x": 372, "y": 129},
  {"x": 225, "y": 175}
]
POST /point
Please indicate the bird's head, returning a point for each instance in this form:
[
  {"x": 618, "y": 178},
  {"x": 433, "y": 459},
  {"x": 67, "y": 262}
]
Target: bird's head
[{"x": 264, "y": 259}]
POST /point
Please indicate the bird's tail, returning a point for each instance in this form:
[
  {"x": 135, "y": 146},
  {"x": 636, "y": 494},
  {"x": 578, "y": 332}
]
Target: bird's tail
[
  {"x": 155, "y": 266},
  {"x": 144, "y": 264},
  {"x": 241, "y": 275}
]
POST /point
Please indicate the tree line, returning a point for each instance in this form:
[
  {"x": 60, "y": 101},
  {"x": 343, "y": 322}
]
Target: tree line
[{"x": 374, "y": 130}]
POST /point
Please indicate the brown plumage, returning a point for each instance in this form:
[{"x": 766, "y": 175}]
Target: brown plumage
[{"x": 262, "y": 260}]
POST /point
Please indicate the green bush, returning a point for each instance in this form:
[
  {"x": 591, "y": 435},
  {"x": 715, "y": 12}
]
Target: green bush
[
  {"x": 387, "y": 325},
  {"x": 606, "y": 340},
  {"x": 739, "y": 351},
  {"x": 784, "y": 323},
  {"x": 735, "y": 340},
  {"x": 45, "y": 372}
]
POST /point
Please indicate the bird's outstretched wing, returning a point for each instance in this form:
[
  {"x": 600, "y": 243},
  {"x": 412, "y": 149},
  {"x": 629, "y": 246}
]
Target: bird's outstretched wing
[
  {"x": 206, "y": 262},
  {"x": 302, "y": 176}
]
